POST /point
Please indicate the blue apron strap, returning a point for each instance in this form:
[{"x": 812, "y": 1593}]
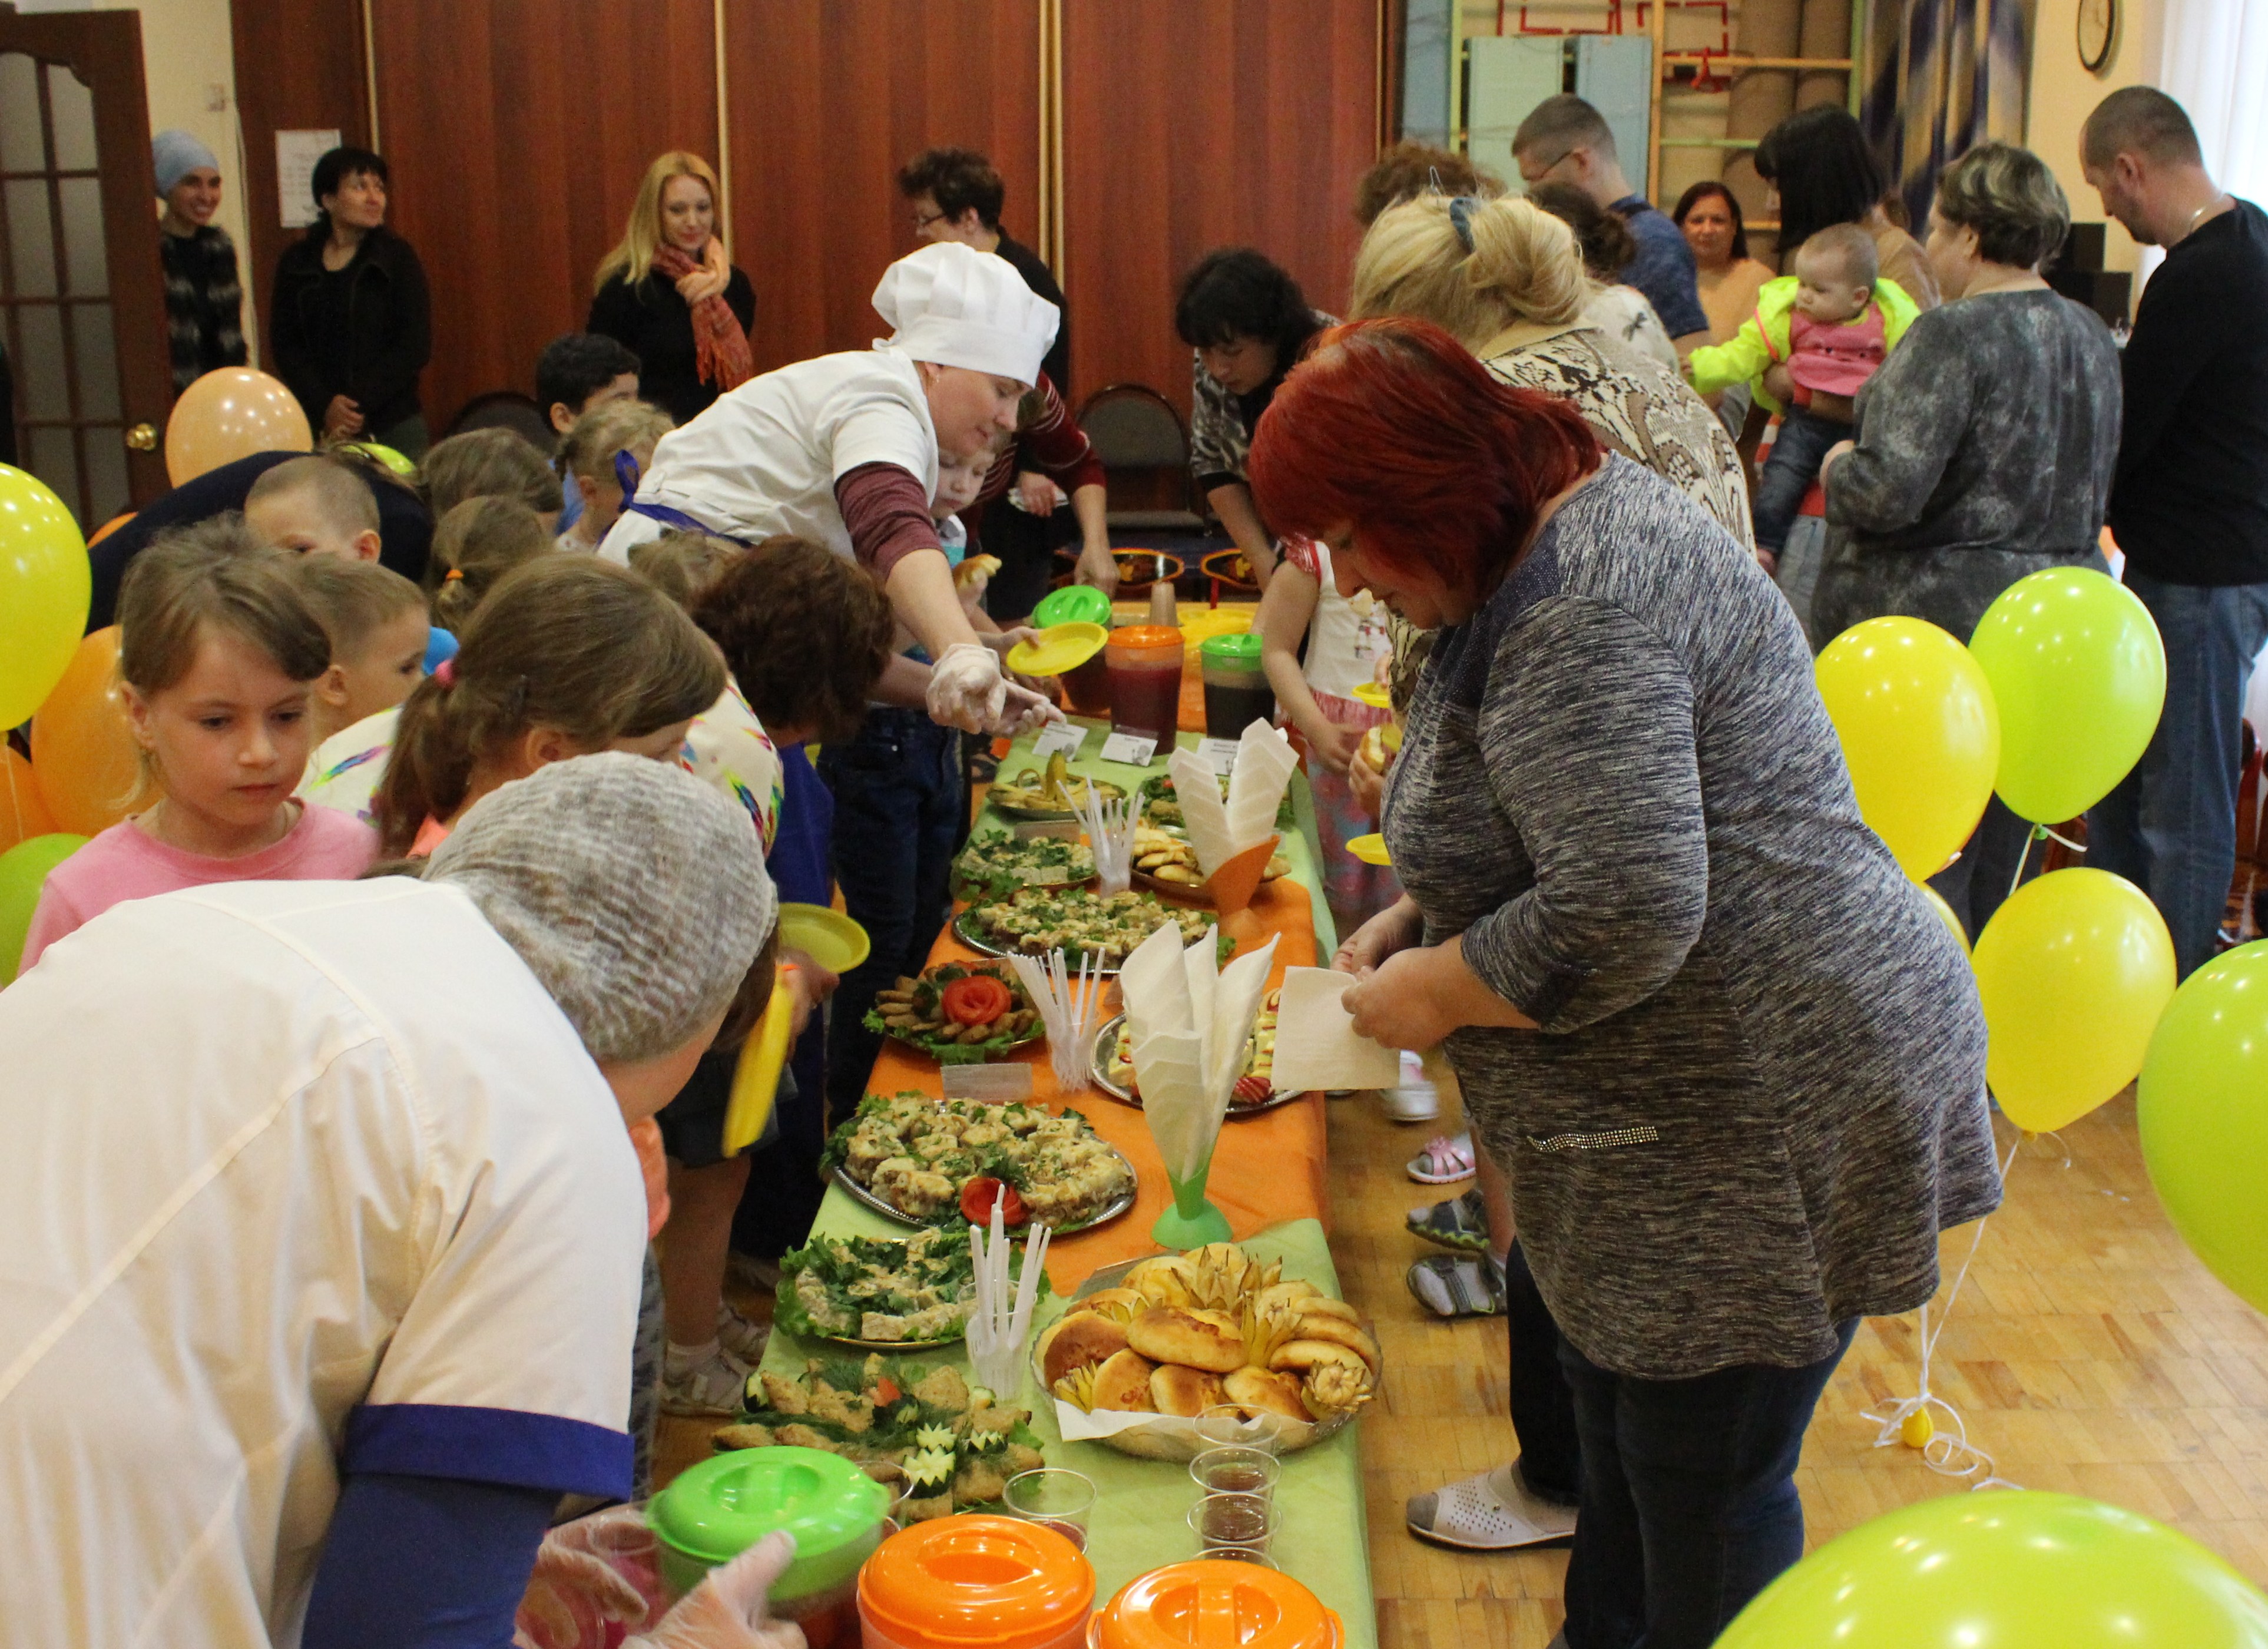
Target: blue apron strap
[{"x": 679, "y": 520}]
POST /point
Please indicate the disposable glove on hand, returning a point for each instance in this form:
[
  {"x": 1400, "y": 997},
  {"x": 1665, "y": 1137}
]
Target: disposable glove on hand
[
  {"x": 967, "y": 691},
  {"x": 731, "y": 1608}
]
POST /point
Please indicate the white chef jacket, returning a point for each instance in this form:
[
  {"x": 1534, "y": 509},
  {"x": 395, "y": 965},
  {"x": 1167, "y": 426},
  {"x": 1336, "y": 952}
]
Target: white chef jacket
[
  {"x": 300, "y": 1179},
  {"x": 762, "y": 462}
]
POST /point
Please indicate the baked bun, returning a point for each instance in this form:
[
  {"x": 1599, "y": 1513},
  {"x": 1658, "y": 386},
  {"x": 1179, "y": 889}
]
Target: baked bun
[
  {"x": 1194, "y": 1338},
  {"x": 1324, "y": 1306},
  {"x": 1185, "y": 1392},
  {"x": 1163, "y": 1280},
  {"x": 1292, "y": 1293},
  {"x": 1077, "y": 1341},
  {"x": 1339, "y": 1331},
  {"x": 1306, "y": 1354},
  {"x": 1119, "y": 1303},
  {"x": 1266, "y": 1392},
  {"x": 1123, "y": 1383}
]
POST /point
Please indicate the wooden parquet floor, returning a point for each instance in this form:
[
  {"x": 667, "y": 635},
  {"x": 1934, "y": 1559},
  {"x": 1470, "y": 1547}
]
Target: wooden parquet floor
[{"x": 2089, "y": 1352}]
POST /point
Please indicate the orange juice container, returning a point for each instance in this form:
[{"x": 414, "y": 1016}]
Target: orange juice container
[
  {"x": 1211, "y": 1605},
  {"x": 974, "y": 1582}
]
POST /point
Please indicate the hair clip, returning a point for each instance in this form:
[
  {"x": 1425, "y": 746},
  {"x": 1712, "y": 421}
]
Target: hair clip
[
  {"x": 445, "y": 673},
  {"x": 1460, "y": 219},
  {"x": 455, "y": 575}
]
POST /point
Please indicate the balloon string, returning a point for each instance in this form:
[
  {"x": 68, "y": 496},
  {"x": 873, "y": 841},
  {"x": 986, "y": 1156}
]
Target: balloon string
[{"x": 1948, "y": 1452}]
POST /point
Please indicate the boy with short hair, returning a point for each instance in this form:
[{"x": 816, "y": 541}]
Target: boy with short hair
[
  {"x": 378, "y": 628},
  {"x": 577, "y": 372},
  {"x": 314, "y": 505}
]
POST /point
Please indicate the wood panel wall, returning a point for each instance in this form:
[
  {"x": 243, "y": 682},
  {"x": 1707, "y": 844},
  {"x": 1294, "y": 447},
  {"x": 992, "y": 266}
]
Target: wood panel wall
[
  {"x": 1188, "y": 125},
  {"x": 517, "y": 136},
  {"x": 827, "y": 101},
  {"x": 299, "y": 67}
]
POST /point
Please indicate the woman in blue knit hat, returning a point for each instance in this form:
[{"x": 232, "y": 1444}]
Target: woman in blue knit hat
[{"x": 204, "y": 302}]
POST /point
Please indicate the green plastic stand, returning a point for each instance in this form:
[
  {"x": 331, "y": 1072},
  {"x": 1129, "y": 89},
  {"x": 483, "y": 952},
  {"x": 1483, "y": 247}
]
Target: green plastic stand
[{"x": 1192, "y": 1221}]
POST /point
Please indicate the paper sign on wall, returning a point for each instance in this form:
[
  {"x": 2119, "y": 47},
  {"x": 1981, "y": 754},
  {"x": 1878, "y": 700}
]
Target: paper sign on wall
[{"x": 295, "y": 154}]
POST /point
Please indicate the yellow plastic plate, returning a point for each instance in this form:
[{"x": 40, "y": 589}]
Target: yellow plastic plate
[
  {"x": 1058, "y": 648},
  {"x": 831, "y": 939},
  {"x": 1371, "y": 849},
  {"x": 756, "y": 1078},
  {"x": 1371, "y": 694}
]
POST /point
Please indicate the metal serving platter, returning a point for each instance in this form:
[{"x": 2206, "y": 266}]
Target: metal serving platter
[
  {"x": 1099, "y": 1063},
  {"x": 1111, "y": 1210}
]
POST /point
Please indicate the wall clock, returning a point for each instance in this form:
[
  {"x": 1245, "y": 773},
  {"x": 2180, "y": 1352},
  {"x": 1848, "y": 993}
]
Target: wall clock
[{"x": 2098, "y": 32}]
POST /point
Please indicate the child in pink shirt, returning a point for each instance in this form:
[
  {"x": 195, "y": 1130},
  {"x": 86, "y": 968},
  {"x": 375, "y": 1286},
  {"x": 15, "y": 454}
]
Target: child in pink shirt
[{"x": 217, "y": 656}]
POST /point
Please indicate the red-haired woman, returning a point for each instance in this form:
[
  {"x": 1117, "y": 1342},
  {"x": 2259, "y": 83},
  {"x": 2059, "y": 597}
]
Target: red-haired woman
[{"x": 1730, "y": 1066}]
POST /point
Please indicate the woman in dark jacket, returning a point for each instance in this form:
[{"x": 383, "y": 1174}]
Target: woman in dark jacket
[
  {"x": 351, "y": 319},
  {"x": 668, "y": 293}
]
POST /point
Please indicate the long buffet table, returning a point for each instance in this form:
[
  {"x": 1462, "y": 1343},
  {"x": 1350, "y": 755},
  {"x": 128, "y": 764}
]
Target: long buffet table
[{"x": 1269, "y": 1177}]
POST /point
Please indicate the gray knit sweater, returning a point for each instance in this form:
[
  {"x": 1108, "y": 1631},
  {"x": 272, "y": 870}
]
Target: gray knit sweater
[
  {"x": 1758, "y": 1091},
  {"x": 1985, "y": 447}
]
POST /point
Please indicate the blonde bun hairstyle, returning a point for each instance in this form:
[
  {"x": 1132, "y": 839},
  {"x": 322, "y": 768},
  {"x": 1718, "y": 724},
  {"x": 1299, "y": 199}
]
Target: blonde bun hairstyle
[{"x": 1524, "y": 265}]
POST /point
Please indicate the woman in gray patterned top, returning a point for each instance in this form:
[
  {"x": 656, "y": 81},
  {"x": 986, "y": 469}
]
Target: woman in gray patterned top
[
  {"x": 1984, "y": 448},
  {"x": 1733, "y": 1068}
]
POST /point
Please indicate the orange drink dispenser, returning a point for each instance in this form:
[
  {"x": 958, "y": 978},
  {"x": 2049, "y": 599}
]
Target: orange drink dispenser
[{"x": 976, "y": 1582}]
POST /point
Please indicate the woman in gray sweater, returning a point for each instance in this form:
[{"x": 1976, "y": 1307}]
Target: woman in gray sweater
[
  {"x": 1730, "y": 1066},
  {"x": 1984, "y": 448}
]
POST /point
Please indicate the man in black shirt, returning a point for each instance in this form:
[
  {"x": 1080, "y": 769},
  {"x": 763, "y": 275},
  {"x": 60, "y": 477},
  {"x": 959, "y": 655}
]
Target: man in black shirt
[{"x": 2188, "y": 503}]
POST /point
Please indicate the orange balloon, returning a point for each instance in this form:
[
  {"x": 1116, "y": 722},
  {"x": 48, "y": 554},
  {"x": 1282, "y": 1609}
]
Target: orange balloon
[
  {"x": 231, "y": 413},
  {"x": 108, "y": 527},
  {"x": 83, "y": 752},
  {"x": 23, "y": 813}
]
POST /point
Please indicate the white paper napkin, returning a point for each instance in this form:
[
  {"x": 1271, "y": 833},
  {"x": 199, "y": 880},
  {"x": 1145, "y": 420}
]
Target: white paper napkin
[
  {"x": 1265, "y": 765},
  {"x": 1316, "y": 1046},
  {"x": 1189, "y": 1021},
  {"x": 1205, "y": 816}
]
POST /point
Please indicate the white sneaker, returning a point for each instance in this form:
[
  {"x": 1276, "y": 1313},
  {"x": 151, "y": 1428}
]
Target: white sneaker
[
  {"x": 740, "y": 1337},
  {"x": 704, "y": 1381},
  {"x": 1414, "y": 1099},
  {"x": 1489, "y": 1512}
]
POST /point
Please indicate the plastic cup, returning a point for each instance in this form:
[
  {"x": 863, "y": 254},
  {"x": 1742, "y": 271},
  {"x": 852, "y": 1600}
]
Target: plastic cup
[
  {"x": 1054, "y": 1498},
  {"x": 1230, "y": 1425},
  {"x": 1236, "y": 1470},
  {"x": 1235, "y": 1520},
  {"x": 1145, "y": 666},
  {"x": 1237, "y": 1554}
]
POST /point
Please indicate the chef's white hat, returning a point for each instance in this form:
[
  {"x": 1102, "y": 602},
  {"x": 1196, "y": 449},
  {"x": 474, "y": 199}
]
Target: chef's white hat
[{"x": 957, "y": 306}]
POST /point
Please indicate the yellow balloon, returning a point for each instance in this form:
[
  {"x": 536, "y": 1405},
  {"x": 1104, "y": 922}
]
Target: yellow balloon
[
  {"x": 1945, "y": 915},
  {"x": 2074, "y": 973},
  {"x": 45, "y": 586},
  {"x": 231, "y": 413},
  {"x": 1920, "y": 733}
]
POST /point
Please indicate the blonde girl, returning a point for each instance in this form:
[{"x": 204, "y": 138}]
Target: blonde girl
[
  {"x": 668, "y": 293},
  {"x": 603, "y": 458},
  {"x": 218, "y": 654}
]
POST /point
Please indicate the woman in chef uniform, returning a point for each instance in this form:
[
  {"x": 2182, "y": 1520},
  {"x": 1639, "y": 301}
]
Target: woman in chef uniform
[{"x": 844, "y": 450}]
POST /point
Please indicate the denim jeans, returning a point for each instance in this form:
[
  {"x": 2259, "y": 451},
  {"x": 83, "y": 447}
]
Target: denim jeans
[
  {"x": 898, "y": 803},
  {"x": 1979, "y": 882},
  {"x": 1790, "y": 469},
  {"x": 1542, "y": 1403},
  {"x": 2169, "y": 826},
  {"x": 1688, "y": 1506}
]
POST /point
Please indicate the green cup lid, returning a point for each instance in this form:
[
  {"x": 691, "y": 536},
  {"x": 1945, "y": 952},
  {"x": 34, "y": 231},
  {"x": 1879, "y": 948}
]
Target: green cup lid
[
  {"x": 1241, "y": 647},
  {"x": 1073, "y": 604},
  {"x": 715, "y": 1511}
]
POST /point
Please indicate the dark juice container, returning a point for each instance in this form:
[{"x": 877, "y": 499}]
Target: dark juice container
[{"x": 1236, "y": 690}]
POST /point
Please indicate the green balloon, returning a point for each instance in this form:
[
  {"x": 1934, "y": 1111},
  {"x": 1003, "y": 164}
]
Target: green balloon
[
  {"x": 2080, "y": 676},
  {"x": 23, "y": 869},
  {"x": 2202, "y": 1108},
  {"x": 2006, "y": 1569}
]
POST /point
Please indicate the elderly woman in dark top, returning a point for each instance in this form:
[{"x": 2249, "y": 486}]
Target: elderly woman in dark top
[
  {"x": 1733, "y": 1068},
  {"x": 1985, "y": 447}
]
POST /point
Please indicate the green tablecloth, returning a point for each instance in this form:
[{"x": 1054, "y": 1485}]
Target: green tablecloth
[{"x": 1142, "y": 1504}]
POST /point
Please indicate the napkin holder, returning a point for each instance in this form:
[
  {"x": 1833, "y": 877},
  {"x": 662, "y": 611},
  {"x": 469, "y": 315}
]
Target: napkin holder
[
  {"x": 1234, "y": 885},
  {"x": 1192, "y": 1220}
]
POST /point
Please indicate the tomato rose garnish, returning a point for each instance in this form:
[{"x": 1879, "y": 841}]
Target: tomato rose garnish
[
  {"x": 978, "y": 1196},
  {"x": 979, "y": 1000}
]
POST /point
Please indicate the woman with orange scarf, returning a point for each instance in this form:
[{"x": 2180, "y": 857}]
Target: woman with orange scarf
[{"x": 668, "y": 293}]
